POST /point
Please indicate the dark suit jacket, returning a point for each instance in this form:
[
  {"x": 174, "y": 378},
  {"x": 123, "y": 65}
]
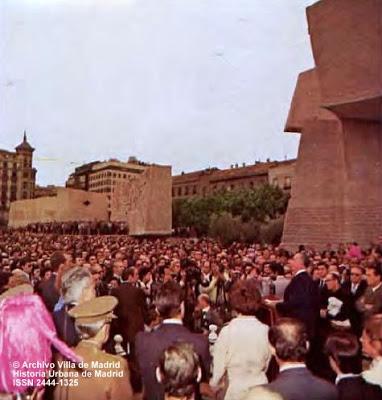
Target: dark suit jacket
[
  {"x": 202, "y": 321},
  {"x": 48, "y": 292},
  {"x": 130, "y": 310},
  {"x": 65, "y": 328},
  {"x": 355, "y": 315},
  {"x": 300, "y": 384},
  {"x": 341, "y": 295},
  {"x": 355, "y": 388},
  {"x": 301, "y": 301},
  {"x": 371, "y": 298},
  {"x": 150, "y": 347},
  {"x": 322, "y": 292},
  {"x": 359, "y": 292}
]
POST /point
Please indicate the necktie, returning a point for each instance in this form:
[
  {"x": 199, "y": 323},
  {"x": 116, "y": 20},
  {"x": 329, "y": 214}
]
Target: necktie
[{"x": 353, "y": 288}]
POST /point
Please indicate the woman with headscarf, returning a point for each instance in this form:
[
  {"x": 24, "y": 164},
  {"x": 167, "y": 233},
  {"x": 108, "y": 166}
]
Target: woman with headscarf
[{"x": 27, "y": 333}]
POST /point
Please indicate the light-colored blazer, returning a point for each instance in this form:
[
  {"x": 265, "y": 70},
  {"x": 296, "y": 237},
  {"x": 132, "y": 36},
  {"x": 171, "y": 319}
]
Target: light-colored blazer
[{"x": 242, "y": 351}]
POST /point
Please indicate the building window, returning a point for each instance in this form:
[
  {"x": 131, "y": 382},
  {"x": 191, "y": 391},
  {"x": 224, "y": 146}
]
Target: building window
[
  {"x": 287, "y": 182},
  {"x": 251, "y": 185},
  {"x": 194, "y": 191},
  {"x": 275, "y": 182},
  {"x": 179, "y": 191},
  {"x": 173, "y": 192},
  {"x": 186, "y": 191},
  {"x": 232, "y": 187}
]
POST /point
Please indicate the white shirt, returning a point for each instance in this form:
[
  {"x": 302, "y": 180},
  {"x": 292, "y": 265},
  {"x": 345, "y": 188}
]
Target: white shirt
[
  {"x": 172, "y": 321},
  {"x": 354, "y": 287},
  {"x": 300, "y": 272},
  {"x": 287, "y": 367},
  {"x": 343, "y": 376},
  {"x": 376, "y": 287}
]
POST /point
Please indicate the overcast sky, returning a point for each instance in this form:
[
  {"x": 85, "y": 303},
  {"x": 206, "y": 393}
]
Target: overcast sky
[{"x": 190, "y": 83}]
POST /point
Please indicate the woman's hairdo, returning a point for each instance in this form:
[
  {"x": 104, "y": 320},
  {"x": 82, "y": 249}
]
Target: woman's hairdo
[
  {"x": 179, "y": 368},
  {"x": 245, "y": 297},
  {"x": 73, "y": 283}
]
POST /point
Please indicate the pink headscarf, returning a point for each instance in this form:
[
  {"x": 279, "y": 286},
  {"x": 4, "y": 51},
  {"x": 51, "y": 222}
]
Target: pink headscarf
[
  {"x": 355, "y": 252},
  {"x": 26, "y": 335}
]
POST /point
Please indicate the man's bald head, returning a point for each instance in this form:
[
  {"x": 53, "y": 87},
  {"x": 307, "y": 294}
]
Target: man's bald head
[{"x": 299, "y": 262}]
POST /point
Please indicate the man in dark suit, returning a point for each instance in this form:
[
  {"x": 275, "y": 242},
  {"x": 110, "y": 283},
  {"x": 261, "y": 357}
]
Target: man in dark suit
[
  {"x": 131, "y": 307},
  {"x": 48, "y": 290},
  {"x": 150, "y": 345},
  {"x": 355, "y": 289},
  {"x": 322, "y": 269},
  {"x": 130, "y": 311},
  {"x": 289, "y": 344},
  {"x": 205, "y": 315},
  {"x": 343, "y": 350},
  {"x": 301, "y": 298}
]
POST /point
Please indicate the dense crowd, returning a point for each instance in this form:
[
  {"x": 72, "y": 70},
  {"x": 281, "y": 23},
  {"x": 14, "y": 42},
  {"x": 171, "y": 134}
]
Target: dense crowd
[
  {"x": 94, "y": 227},
  {"x": 189, "y": 317}
]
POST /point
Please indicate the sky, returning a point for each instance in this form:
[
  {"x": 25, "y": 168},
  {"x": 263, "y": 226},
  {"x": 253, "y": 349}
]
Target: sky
[{"x": 188, "y": 83}]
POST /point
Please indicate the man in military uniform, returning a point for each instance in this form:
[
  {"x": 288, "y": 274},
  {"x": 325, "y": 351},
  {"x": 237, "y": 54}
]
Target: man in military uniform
[{"x": 102, "y": 376}]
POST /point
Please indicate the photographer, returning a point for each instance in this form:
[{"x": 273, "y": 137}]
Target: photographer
[
  {"x": 191, "y": 290},
  {"x": 218, "y": 289}
]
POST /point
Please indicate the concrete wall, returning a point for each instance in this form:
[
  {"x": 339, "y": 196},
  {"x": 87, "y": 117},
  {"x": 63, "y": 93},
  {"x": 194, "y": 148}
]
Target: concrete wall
[
  {"x": 68, "y": 205},
  {"x": 346, "y": 37},
  {"x": 337, "y": 190},
  {"x": 144, "y": 201}
]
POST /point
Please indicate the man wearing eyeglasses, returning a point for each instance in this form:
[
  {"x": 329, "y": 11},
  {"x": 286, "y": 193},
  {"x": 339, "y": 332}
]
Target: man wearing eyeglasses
[
  {"x": 337, "y": 301},
  {"x": 357, "y": 285},
  {"x": 355, "y": 288}
]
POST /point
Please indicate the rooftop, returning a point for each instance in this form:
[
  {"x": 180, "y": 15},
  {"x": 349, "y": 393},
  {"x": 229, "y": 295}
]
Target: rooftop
[{"x": 25, "y": 146}]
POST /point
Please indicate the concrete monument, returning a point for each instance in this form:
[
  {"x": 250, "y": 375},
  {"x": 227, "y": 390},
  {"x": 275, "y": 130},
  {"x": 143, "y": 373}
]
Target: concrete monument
[
  {"x": 337, "y": 107},
  {"x": 144, "y": 201}
]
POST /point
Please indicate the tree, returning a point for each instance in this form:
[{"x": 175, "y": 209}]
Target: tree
[{"x": 250, "y": 206}]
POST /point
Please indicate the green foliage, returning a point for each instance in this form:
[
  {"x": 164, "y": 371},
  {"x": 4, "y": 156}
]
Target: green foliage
[
  {"x": 272, "y": 231},
  {"x": 228, "y": 229},
  {"x": 239, "y": 212}
]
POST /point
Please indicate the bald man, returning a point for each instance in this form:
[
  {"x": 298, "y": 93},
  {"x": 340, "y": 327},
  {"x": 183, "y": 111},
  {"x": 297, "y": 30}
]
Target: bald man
[{"x": 301, "y": 297}]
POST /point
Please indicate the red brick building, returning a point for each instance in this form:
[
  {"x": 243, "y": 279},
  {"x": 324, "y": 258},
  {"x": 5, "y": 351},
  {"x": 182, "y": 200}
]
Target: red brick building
[{"x": 212, "y": 180}]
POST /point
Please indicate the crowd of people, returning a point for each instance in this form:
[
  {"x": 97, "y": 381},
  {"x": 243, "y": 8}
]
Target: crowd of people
[
  {"x": 189, "y": 318},
  {"x": 94, "y": 227}
]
